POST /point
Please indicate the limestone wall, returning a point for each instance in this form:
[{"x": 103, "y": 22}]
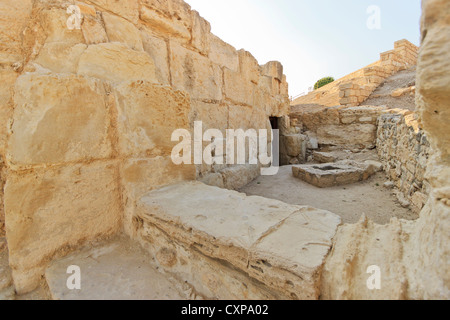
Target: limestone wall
[
  {"x": 354, "y": 127},
  {"x": 87, "y": 114},
  {"x": 404, "y": 150}
]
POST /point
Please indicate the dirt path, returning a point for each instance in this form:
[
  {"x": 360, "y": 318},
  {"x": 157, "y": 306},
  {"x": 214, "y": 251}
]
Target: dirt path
[{"x": 350, "y": 202}]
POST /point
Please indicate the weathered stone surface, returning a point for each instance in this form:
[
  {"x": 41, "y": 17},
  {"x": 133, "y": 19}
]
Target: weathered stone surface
[
  {"x": 252, "y": 237},
  {"x": 223, "y": 54},
  {"x": 324, "y": 157},
  {"x": 7, "y": 78},
  {"x": 273, "y": 69},
  {"x": 54, "y": 22},
  {"x": 50, "y": 210},
  {"x": 93, "y": 30},
  {"x": 115, "y": 270},
  {"x": 195, "y": 74},
  {"x": 116, "y": 62},
  {"x": 157, "y": 49},
  {"x": 200, "y": 33},
  {"x": 6, "y": 282},
  {"x": 433, "y": 80},
  {"x": 58, "y": 119},
  {"x": 148, "y": 114},
  {"x": 239, "y": 176},
  {"x": 61, "y": 57},
  {"x": 89, "y": 130},
  {"x": 212, "y": 115},
  {"x": 294, "y": 144},
  {"x": 356, "y": 248},
  {"x": 412, "y": 256},
  {"x": 123, "y": 31},
  {"x": 237, "y": 89},
  {"x": 139, "y": 176},
  {"x": 128, "y": 9},
  {"x": 14, "y": 16},
  {"x": 163, "y": 24},
  {"x": 355, "y": 134}
]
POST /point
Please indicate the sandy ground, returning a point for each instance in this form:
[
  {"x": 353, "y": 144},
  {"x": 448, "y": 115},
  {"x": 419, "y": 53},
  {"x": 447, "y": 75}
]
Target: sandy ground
[
  {"x": 350, "y": 202},
  {"x": 382, "y": 95}
]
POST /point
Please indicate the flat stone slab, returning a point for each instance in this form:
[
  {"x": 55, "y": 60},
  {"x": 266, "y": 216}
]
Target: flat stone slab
[
  {"x": 280, "y": 245},
  {"x": 333, "y": 174},
  {"x": 116, "y": 270}
]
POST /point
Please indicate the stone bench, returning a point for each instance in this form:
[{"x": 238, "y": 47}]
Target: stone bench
[{"x": 231, "y": 246}]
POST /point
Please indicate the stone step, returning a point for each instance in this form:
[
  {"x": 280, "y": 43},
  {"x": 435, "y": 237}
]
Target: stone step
[
  {"x": 227, "y": 245},
  {"x": 115, "y": 270}
]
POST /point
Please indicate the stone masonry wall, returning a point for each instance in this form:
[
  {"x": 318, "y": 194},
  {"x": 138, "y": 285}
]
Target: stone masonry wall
[
  {"x": 404, "y": 150},
  {"x": 87, "y": 114},
  {"x": 355, "y": 127},
  {"x": 356, "y": 91}
]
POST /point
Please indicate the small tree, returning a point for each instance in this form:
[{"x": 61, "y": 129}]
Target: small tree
[{"x": 323, "y": 82}]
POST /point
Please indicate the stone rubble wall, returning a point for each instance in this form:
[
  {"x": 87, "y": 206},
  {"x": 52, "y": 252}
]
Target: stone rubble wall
[
  {"x": 87, "y": 115},
  {"x": 356, "y": 91},
  {"x": 404, "y": 150}
]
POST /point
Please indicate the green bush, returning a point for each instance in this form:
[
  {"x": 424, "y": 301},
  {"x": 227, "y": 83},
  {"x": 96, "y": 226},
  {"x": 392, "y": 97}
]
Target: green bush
[{"x": 323, "y": 82}]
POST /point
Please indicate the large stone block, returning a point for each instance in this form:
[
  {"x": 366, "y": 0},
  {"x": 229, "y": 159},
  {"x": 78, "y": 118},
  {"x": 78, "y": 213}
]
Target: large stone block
[
  {"x": 273, "y": 69},
  {"x": 200, "y": 33},
  {"x": 148, "y": 114},
  {"x": 239, "y": 90},
  {"x": 353, "y": 135},
  {"x": 50, "y": 210},
  {"x": 128, "y": 9},
  {"x": 223, "y": 54},
  {"x": 280, "y": 245},
  {"x": 140, "y": 176},
  {"x": 213, "y": 116},
  {"x": 121, "y": 30},
  {"x": 195, "y": 74},
  {"x": 165, "y": 25},
  {"x": 61, "y": 57},
  {"x": 157, "y": 49},
  {"x": 58, "y": 119},
  {"x": 116, "y": 62},
  {"x": 243, "y": 117},
  {"x": 248, "y": 66}
]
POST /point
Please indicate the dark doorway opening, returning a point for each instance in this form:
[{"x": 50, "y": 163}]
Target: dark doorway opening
[{"x": 274, "y": 123}]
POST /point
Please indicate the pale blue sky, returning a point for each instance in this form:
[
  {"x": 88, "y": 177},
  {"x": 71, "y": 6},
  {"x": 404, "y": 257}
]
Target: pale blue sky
[{"x": 312, "y": 39}]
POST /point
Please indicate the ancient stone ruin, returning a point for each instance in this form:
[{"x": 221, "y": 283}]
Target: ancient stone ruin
[{"x": 90, "y": 96}]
